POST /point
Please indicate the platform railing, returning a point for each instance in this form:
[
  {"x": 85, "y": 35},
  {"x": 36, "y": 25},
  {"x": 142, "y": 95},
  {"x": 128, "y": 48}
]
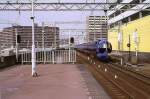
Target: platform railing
[{"x": 53, "y": 56}]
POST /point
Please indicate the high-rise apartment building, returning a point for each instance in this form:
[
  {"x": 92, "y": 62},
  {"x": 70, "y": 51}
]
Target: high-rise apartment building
[
  {"x": 6, "y": 38},
  {"x": 46, "y": 36},
  {"x": 96, "y": 28}
]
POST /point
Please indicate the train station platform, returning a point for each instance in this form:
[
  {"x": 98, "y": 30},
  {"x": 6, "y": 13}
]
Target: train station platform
[{"x": 58, "y": 81}]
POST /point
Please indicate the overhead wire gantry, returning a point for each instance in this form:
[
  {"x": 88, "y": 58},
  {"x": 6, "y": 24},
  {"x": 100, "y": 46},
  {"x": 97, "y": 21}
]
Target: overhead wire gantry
[{"x": 15, "y": 6}]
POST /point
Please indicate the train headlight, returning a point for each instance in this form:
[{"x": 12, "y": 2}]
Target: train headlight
[{"x": 104, "y": 45}]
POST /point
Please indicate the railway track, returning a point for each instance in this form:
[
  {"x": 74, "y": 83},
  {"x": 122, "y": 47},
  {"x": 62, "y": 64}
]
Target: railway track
[
  {"x": 137, "y": 75},
  {"x": 118, "y": 82},
  {"x": 130, "y": 67}
]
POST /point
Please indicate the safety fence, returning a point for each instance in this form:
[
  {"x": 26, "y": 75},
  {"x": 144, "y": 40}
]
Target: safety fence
[{"x": 53, "y": 56}]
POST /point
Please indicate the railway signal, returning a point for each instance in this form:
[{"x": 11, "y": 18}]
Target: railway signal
[
  {"x": 18, "y": 38},
  {"x": 72, "y": 40}
]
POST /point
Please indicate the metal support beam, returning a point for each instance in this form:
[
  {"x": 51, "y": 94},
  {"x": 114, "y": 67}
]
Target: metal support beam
[{"x": 69, "y": 6}]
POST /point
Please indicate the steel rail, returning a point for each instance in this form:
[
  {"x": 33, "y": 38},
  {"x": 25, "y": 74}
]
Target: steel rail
[
  {"x": 132, "y": 73},
  {"x": 110, "y": 82}
]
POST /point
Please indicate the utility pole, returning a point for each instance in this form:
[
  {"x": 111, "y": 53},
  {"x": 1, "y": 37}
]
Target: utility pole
[
  {"x": 69, "y": 47},
  {"x": 135, "y": 38},
  {"x": 120, "y": 41},
  {"x": 106, "y": 23},
  {"x": 94, "y": 29},
  {"x": 34, "y": 74},
  {"x": 129, "y": 52},
  {"x": 16, "y": 32},
  {"x": 55, "y": 41},
  {"x": 43, "y": 41}
]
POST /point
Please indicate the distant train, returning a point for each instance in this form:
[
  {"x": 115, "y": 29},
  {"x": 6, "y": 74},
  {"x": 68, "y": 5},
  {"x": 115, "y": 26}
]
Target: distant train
[{"x": 100, "y": 48}]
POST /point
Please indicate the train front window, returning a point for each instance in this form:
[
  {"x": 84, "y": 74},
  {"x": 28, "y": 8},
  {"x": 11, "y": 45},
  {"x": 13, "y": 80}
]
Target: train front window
[{"x": 102, "y": 50}]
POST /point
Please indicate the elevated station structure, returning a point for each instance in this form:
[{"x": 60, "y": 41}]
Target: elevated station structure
[{"x": 129, "y": 30}]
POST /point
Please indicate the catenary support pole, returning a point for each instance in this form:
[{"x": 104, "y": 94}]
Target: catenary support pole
[
  {"x": 33, "y": 43},
  {"x": 69, "y": 47},
  {"x": 16, "y": 32},
  {"x": 43, "y": 43}
]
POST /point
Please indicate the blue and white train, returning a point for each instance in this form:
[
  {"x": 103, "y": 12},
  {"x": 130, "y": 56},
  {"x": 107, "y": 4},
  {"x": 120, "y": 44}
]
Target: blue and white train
[{"x": 100, "y": 48}]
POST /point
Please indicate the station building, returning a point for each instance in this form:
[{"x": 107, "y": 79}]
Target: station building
[
  {"x": 130, "y": 28},
  {"x": 96, "y": 28},
  {"x": 46, "y": 36}
]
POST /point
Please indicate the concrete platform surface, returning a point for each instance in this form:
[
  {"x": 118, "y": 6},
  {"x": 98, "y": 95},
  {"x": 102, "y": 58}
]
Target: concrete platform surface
[{"x": 58, "y": 81}]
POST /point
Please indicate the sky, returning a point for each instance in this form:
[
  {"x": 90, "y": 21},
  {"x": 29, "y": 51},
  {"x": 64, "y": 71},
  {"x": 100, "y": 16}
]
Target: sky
[{"x": 49, "y": 17}]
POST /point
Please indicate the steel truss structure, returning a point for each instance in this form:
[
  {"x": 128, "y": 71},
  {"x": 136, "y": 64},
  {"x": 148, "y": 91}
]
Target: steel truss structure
[{"x": 72, "y": 6}]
